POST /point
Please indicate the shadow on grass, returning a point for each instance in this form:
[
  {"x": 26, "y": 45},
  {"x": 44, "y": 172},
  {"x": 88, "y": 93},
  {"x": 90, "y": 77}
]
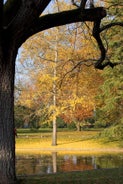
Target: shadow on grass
[
  {"x": 29, "y": 131},
  {"x": 75, "y": 141},
  {"x": 119, "y": 142}
]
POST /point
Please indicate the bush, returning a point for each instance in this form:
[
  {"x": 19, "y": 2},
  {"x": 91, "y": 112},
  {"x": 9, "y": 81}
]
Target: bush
[
  {"x": 101, "y": 124},
  {"x": 114, "y": 132}
]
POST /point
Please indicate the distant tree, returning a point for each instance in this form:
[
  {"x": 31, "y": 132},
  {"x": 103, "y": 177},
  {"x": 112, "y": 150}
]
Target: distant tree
[
  {"x": 78, "y": 110},
  {"x": 110, "y": 107},
  {"x": 25, "y": 117},
  {"x": 110, "y": 100}
]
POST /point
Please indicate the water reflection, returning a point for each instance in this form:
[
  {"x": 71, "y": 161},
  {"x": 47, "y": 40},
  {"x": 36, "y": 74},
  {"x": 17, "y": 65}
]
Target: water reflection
[{"x": 52, "y": 163}]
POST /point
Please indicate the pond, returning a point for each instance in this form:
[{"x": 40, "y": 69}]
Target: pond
[{"x": 55, "y": 162}]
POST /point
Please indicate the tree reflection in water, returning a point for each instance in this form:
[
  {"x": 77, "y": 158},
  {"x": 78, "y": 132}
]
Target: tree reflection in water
[
  {"x": 54, "y": 158},
  {"x": 52, "y": 163}
]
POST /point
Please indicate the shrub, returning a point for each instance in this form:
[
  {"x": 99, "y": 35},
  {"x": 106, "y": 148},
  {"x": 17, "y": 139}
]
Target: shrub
[{"x": 114, "y": 132}]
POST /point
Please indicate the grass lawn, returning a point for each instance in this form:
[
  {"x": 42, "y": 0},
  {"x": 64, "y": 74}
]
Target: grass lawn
[
  {"x": 85, "y": 141},
  {"x": 101, "y": 176}
]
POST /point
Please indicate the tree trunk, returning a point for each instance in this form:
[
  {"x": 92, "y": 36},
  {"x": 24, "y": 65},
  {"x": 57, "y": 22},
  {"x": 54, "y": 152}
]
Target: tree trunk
[
  {"x": 7, "y": 137},
  {"x": 78, "y": 126},
  {"x": 54, "y": 137}
]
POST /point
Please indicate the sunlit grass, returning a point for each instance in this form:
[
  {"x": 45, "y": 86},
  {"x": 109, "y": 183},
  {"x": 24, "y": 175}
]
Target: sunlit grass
[{"x": 85, "y": 141}]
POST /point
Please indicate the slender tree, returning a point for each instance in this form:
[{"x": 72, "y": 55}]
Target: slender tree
[{"x": 20, "y": 19}]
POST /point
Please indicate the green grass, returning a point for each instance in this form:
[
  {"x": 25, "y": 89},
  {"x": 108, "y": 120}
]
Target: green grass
[
  {"x": 102, "y": 176},
  {"x": 41, "y": 130},
  {"x": 33, "y": 131}
]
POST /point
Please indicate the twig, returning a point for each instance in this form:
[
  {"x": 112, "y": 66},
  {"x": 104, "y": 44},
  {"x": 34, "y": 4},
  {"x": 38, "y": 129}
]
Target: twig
[{"x": 111, "y": 25}]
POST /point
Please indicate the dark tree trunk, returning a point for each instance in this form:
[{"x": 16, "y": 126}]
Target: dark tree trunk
[{"x": 7, "y": 137}]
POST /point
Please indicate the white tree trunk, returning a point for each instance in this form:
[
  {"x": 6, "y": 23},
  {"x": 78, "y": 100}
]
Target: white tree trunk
[{"x": 54, "y": 137}]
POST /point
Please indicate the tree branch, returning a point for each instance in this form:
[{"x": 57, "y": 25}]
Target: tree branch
[
  {"x": 111, "y": 25},
  {"x": 75, "y": 4},
  {"x": 115, "y": 4},
  {"x": 96, "y": 34},
  {"x": 66, "y": 17},
  {"x": 83, "y": 3},
  {"x": 82, "y": 62},
  {"x": 28, "y": 22}
]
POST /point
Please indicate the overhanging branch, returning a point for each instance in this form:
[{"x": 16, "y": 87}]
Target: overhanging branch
[
  {"x": 57, "y": 19},
  {"x": 96, "y": 34},
  {"x": 67, "y": 17},
  {"x": 81, "y": 5}
]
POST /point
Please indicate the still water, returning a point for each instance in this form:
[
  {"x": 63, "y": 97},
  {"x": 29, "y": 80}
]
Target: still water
[{"x": 54, "y": 162}]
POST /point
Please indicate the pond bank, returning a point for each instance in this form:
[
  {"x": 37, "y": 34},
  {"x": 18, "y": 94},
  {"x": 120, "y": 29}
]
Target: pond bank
[{"x": 69, "y": 150}]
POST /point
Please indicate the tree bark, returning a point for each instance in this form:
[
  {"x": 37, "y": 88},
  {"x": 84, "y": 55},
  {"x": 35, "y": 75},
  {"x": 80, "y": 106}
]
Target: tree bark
[{"x": 7, "y": 137}]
